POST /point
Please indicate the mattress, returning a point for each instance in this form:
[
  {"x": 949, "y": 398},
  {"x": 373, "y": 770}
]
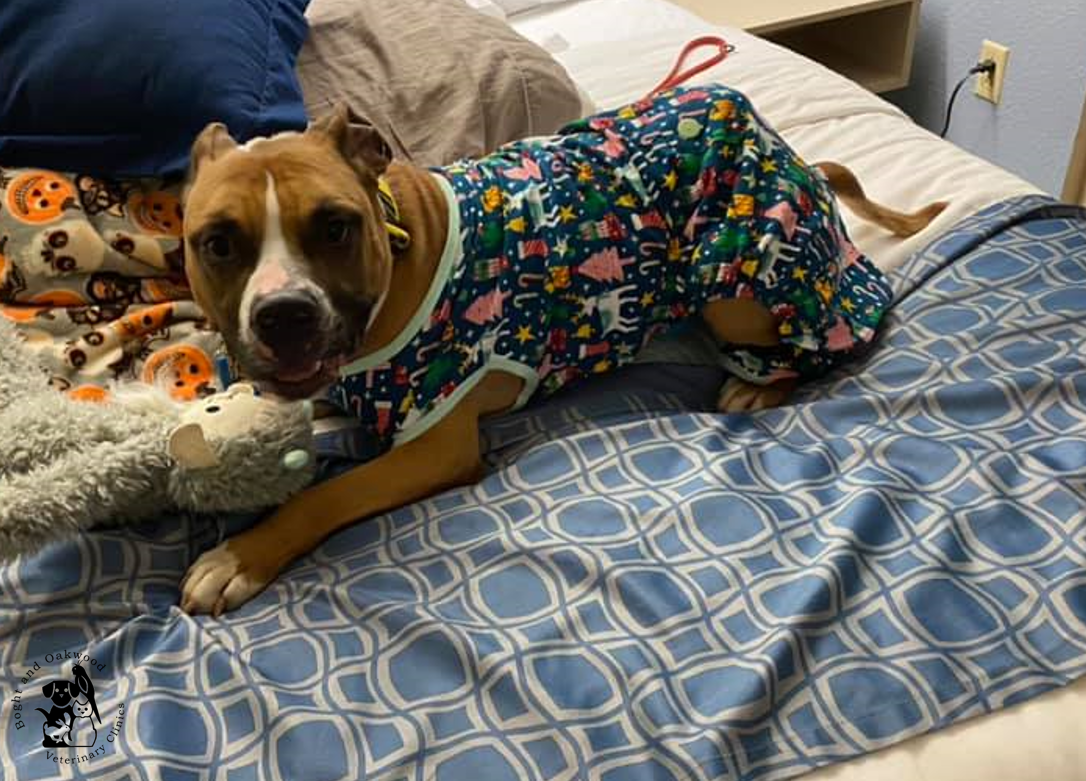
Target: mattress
[
  {"x": 618, "y": 50},
  {"x": 638, "y": 590}
]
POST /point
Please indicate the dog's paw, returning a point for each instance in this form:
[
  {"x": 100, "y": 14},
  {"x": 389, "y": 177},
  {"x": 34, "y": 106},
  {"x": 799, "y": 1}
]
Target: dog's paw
[
  {"x": 222, "y": 579},
  {"x": 741, "y": 396}
]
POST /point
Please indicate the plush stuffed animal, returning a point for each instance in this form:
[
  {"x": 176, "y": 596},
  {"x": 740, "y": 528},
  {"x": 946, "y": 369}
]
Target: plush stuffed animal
[{"x": 67, "y": 465}]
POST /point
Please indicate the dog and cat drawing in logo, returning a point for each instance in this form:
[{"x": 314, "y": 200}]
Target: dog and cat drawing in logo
[{"x": 70, "y": 722}]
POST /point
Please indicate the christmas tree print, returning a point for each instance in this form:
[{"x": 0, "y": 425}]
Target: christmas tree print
[
  {"x": 486, "y": 307},
  {"x": 605, "y": 266}
]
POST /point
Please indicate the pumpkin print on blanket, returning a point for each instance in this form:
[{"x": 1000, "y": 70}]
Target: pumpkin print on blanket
[
  {"x": 39, "y": 197},
  {"x": 183, "y": 370},
  {"x": 92, "y": 270},
  {"x": 157, "y": 213}
]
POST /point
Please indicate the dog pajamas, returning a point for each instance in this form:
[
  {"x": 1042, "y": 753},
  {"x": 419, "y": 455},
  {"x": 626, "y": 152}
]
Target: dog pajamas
[{"x": 565, "y": 255}]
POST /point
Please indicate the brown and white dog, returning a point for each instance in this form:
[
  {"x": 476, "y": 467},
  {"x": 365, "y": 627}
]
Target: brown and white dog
[{"x": 288, "y": 255}]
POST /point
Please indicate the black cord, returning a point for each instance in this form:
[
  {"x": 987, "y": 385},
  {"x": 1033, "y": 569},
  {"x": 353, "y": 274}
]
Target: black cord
[{"x": 987, "y": 66}]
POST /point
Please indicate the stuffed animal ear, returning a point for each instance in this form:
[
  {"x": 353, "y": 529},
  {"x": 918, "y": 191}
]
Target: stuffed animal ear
[
  {"x": 190, "y": 449},
  {"x": 243, "y": 389}
]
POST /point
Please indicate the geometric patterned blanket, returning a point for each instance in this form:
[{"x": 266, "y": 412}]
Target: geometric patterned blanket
[{"x": 636, "y": 590}]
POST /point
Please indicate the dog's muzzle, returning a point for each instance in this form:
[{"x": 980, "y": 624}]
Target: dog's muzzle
[{"x": 290, "y": 326}]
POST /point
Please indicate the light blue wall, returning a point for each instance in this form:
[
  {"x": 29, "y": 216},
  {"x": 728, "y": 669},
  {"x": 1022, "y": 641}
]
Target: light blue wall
[{"x": 1032, "y": 130}]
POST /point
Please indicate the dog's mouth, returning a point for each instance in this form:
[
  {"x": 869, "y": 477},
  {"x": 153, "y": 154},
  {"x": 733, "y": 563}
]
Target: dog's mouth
[
  {"x": 298, "y": 377},
  {"x": 302, "y": 381},
  {"x": 308, "y": 367}
]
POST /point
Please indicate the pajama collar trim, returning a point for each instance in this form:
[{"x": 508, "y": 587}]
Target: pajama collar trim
[{"x": 441, "y": 277}]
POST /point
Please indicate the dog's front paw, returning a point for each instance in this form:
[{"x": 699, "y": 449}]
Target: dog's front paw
[{"x": 224, "y": 578}]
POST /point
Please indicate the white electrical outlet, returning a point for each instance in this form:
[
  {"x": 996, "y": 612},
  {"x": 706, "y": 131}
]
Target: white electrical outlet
[{"x": 989, "y": 86}]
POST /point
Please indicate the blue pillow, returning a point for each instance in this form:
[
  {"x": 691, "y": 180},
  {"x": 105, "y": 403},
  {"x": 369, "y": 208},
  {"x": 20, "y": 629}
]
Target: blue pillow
[{"x": 122, "y": 87}]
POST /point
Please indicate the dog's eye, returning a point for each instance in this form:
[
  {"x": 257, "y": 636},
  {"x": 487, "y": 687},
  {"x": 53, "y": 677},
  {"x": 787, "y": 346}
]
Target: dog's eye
[
  {"x": 218, "y": 247},
  {"x": 338, "y": 231}
]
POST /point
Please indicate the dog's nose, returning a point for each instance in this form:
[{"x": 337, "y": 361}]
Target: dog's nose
[{"x": 288, "y": 323}]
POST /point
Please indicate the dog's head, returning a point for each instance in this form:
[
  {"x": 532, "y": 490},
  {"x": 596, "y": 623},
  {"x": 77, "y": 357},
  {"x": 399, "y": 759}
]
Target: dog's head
[
  {"x": 60, "y": 693},
  {"x": 286, "y": 248}
]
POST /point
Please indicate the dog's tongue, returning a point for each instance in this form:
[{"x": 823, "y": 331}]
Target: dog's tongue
[{"x": 302, "y": 373}]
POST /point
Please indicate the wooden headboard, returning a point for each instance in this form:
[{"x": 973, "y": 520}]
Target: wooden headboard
[{"x": 1074, "y": 189}]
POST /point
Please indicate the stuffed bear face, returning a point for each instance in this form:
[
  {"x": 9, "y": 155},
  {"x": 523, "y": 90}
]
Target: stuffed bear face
[
  {"x": 214, "y": 423},
  {"x": 226, "y": 415},
  {"x": 236, "y": 451}
]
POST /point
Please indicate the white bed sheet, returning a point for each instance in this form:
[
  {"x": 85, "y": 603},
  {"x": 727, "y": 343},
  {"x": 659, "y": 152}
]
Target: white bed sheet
[{"x": 617, "y": 50}]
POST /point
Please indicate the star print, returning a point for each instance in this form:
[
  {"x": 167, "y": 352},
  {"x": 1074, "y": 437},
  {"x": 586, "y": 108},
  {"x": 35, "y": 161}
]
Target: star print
[
  {"x": 848, "y": 305},
  {"x": 648, "y": 299},
  {"x": 671, "y": 180},
  {"x": 567, "y": 213},
  {"x": 518, "y": 225},
  {"x": 799, "y": 274},
  {"x": 768, "y": 166},
  {"x": 524, "y": 334}
]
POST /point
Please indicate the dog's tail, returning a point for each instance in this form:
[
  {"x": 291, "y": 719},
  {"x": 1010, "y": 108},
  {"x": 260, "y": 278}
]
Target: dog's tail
[{"x": 847, "y": 187}]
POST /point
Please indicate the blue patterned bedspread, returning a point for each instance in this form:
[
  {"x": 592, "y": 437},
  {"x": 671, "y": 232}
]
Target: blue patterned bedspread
[{"x": 636, "y": 591}]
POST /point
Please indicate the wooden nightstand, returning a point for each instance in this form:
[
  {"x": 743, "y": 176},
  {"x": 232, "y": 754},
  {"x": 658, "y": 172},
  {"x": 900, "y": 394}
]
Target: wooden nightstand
[
  {"x": 1074, "y": 188},
  {"x": 870, "y": 41}
]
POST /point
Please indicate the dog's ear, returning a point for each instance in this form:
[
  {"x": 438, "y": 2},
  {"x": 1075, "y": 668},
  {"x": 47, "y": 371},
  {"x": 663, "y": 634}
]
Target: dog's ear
[
  {"x": 47, "y": 690},
  {"x": 213, "y": 142},
  {"x": 360, "y": 143}
]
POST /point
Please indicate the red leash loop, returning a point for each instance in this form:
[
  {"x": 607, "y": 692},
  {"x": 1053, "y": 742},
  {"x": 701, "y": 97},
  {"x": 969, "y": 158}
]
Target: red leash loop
[{"x": 679, "y": 76}]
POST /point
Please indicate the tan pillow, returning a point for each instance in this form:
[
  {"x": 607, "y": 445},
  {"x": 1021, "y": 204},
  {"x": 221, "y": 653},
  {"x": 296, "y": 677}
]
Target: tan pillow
[{"x": 439, "y": 79}]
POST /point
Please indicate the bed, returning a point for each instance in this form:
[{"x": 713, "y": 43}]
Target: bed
[
  {"x": 615, "y": 50},
  {"x": 639, "y": 589}
]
